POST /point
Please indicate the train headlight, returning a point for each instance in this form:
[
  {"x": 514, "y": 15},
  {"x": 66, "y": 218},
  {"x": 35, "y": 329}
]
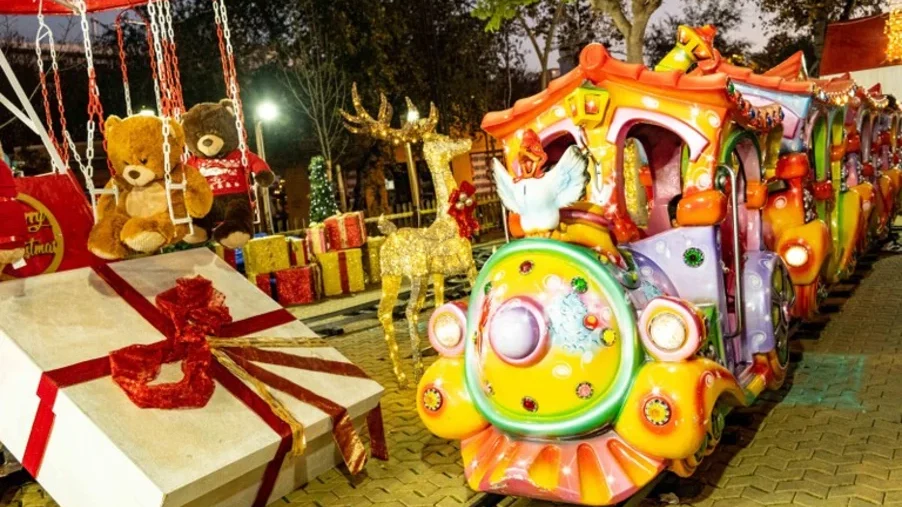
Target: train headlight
[
  {"x": 796, "y": 256},
  {"x": 667, "y": 331},
  {"x": 447, "y": 327},
  {"x": 671, "y": 329}
]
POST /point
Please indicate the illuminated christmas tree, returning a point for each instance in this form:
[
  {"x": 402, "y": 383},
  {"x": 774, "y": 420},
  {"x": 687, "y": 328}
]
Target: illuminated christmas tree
[
  {"x": 894, "y": 32},
  {"x": 322, "y": 195}
]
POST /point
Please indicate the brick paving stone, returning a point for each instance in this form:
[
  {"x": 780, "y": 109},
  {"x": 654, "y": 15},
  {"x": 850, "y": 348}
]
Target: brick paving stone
[{"x": 831, "y": 437}]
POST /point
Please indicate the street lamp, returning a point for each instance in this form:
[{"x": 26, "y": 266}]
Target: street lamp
[
  {"x": 412, "y": 117},
  {"x": 266, "y": 111},
  {"x": 147, "y": 112}
]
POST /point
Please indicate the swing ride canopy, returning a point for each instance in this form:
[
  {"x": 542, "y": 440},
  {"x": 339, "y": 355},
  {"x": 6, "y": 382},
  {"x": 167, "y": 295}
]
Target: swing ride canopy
[{"x": 62, "y": 6}]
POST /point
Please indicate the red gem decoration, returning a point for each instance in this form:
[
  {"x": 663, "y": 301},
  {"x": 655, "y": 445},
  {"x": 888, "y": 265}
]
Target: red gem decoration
[
  {"x": 526, "y": 267},
  {"x": 591, "y": 107},
  {"x": 590, "y": 321},
  {"x": 530, "y": 404}
]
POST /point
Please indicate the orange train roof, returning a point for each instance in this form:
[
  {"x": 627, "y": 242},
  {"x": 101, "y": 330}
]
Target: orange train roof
[
  {"x": 790, "y": 68},
  {"x": 595, "y": 64},
  {"x": 748, "y": 76}
]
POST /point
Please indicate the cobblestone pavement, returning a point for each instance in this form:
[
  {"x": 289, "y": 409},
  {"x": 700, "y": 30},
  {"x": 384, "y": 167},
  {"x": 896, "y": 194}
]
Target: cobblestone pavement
[{"x": 830, "y": 437}]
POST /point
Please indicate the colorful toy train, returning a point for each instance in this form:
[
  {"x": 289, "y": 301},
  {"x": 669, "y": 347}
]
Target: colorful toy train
[{"x": 608, "y": 342}]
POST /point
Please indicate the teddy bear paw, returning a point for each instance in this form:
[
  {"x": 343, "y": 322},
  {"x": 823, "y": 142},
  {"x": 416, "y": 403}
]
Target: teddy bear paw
[
  {"x": 199, "y": 236},
  {"x": 146, "y": 241},
  {"x": 235, "y": 240}
]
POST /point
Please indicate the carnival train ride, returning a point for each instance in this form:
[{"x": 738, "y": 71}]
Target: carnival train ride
[{"x": 669, "y": 224}]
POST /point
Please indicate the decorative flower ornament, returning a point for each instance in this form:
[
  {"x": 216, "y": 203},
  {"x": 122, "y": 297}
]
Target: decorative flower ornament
[{"x": 463, "y": 209}]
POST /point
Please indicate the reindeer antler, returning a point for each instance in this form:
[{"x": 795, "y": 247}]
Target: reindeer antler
[{"x": 380, "y": 128}]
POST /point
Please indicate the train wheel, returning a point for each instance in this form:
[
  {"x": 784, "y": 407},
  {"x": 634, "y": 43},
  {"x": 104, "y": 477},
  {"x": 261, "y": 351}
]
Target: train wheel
[
  {"x": 781, "y": 301},
  {"x": 716, "y": 422}
]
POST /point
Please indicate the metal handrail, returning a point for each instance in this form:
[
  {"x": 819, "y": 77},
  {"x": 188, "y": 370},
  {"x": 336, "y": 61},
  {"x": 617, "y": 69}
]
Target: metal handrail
[{"x": 738, "y": 307}]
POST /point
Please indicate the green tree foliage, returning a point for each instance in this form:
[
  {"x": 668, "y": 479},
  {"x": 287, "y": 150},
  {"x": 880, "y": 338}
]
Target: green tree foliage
[
  {"x": 725, "y": 15},
  {"x": 811, "y": 17},
  {"x": 322, "y": 195},
  {"x": 527, "y": 21}
]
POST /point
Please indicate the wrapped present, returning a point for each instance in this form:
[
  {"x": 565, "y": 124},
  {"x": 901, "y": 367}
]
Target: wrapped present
[
  {"x": 299, "y": 252},
  {"x": 299, "y": 285},
  {"x": 266, "y": 255},
  {"x": 342, "y": 271},
  {"x": 316, "y": 239},
  {"x": 227, "y": 254},
  {"x": 373, "y": 245},
  {"x": 231, "y": 429},
  {"x": 293, "y": 286},
  {"x": 345, "y": 231},
  {"x": 265, "y": 283}
]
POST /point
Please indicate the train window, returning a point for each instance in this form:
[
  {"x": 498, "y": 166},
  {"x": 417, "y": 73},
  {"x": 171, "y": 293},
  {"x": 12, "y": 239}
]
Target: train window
[{"x": 556, "y": 146}]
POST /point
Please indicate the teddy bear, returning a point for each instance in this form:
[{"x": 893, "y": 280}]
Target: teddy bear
[
  {"x": 212, "y": 139},
  {"x": 13, "y": 228},
  {"x": 139, "y": 221}
]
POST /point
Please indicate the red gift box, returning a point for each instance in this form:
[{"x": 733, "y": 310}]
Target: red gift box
[
  {"x": 298, "y": 286},
  {"x": 345, "y": 231}
]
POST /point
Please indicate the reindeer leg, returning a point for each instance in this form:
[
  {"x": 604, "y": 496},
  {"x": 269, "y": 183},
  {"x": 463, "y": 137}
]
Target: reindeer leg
[
  {"x": 438, "y": 286},
  {"x": 418, "y": 287},
  {"x": 390, "y": 287}
]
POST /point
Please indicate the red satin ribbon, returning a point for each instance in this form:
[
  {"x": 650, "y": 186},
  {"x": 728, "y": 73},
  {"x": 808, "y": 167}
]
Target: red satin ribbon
[
  {"x": 187, "y": 314},
  {"x": 343, "y": 275}
]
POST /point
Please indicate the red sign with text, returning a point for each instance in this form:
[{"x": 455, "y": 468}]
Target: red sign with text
[{"x": 59, "y": 220}]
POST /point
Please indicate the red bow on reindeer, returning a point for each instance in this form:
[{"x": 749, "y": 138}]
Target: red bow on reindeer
[{"x": 463, "y": 209}]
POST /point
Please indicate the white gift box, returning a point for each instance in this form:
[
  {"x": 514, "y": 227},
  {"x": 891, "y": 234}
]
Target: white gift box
[{"x": 103, "y": 451}]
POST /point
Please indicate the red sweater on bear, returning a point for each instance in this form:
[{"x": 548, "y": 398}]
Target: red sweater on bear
[
  {"x": 226, "y": 175},
  {"x": 12, "y": 214}
]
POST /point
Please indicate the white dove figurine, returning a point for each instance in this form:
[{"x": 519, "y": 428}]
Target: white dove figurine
[{"x": 538, "y": 200}]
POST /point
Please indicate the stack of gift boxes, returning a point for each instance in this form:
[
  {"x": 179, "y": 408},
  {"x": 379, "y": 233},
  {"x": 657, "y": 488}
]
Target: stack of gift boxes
[{"x": 295, "y": 271}]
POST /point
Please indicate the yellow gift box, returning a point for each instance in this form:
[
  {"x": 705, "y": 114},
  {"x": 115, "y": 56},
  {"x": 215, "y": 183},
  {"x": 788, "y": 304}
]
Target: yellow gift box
[
  {"x": 266, "y": 255},
  {"x": 342, "y": 271}
]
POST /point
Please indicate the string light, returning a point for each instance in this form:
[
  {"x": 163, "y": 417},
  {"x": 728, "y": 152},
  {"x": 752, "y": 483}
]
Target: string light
[
  {"x": 893, "y": 31},
  {"x": 411, "y": 131}
]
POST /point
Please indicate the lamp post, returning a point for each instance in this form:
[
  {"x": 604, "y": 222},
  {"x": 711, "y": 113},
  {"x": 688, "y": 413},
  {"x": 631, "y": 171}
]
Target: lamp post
[
  {"x": 412, "y": 117},
  {"x": 266, "y": 111}
]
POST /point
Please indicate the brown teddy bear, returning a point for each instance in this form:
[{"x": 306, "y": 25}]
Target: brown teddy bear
[
  {"x": 213, "y": 141},
  {"x": 140, "y": 221}
]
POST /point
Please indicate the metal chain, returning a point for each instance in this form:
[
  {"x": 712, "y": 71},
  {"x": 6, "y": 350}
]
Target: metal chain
[
  {"x": 123, "y": 66},
  {"x": 165, "y": 92},
  {"x": 175, "y": 78},
  {"x": 42, "y": 33},
  {"x": 222, "y": 19}
]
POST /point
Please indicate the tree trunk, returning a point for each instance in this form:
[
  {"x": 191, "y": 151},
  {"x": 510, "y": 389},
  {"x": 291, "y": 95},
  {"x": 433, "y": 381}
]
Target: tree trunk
[
  {"x": 819, "y": 32},
  {"x": 635, "y": 46}
]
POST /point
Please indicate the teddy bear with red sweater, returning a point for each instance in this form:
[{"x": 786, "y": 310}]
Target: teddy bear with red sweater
[{"x": 213, "y": 139}]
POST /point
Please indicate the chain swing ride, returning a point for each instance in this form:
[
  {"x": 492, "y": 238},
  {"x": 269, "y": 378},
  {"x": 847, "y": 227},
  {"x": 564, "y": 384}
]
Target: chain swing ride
[{"x": 165, "y": 75}]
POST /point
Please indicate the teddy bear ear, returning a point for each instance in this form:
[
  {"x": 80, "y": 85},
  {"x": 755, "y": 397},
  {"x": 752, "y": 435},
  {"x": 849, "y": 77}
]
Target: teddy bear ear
[
  {"x": 112, "y": 121},
  {"x": 228, "y": 104}
]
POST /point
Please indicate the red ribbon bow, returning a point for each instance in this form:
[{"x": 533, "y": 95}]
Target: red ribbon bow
[
  {"x": 463, "y": 208},
  {"x": 196, "y": 310}
]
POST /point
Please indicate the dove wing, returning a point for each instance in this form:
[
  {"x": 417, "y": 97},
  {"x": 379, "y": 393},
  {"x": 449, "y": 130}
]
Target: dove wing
[
  {"x": 569, "y": 177},
  {"x": 505, "y": 187}
]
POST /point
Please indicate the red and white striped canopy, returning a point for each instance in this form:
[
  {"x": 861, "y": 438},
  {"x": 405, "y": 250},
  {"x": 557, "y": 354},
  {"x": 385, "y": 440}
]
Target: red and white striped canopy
[{"x": 62, "y": 6}]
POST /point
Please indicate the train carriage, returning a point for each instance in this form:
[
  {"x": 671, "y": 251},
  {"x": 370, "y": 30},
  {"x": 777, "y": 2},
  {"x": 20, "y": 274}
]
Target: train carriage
[{"x": 609, "y": 341}]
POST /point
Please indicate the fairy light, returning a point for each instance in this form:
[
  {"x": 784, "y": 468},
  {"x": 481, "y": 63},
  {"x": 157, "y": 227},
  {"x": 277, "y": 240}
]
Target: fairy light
[{"x": 893, "y": 30}]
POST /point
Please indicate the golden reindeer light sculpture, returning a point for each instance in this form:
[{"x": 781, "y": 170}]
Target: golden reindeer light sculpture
[{"x": 434, "y": 252}]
